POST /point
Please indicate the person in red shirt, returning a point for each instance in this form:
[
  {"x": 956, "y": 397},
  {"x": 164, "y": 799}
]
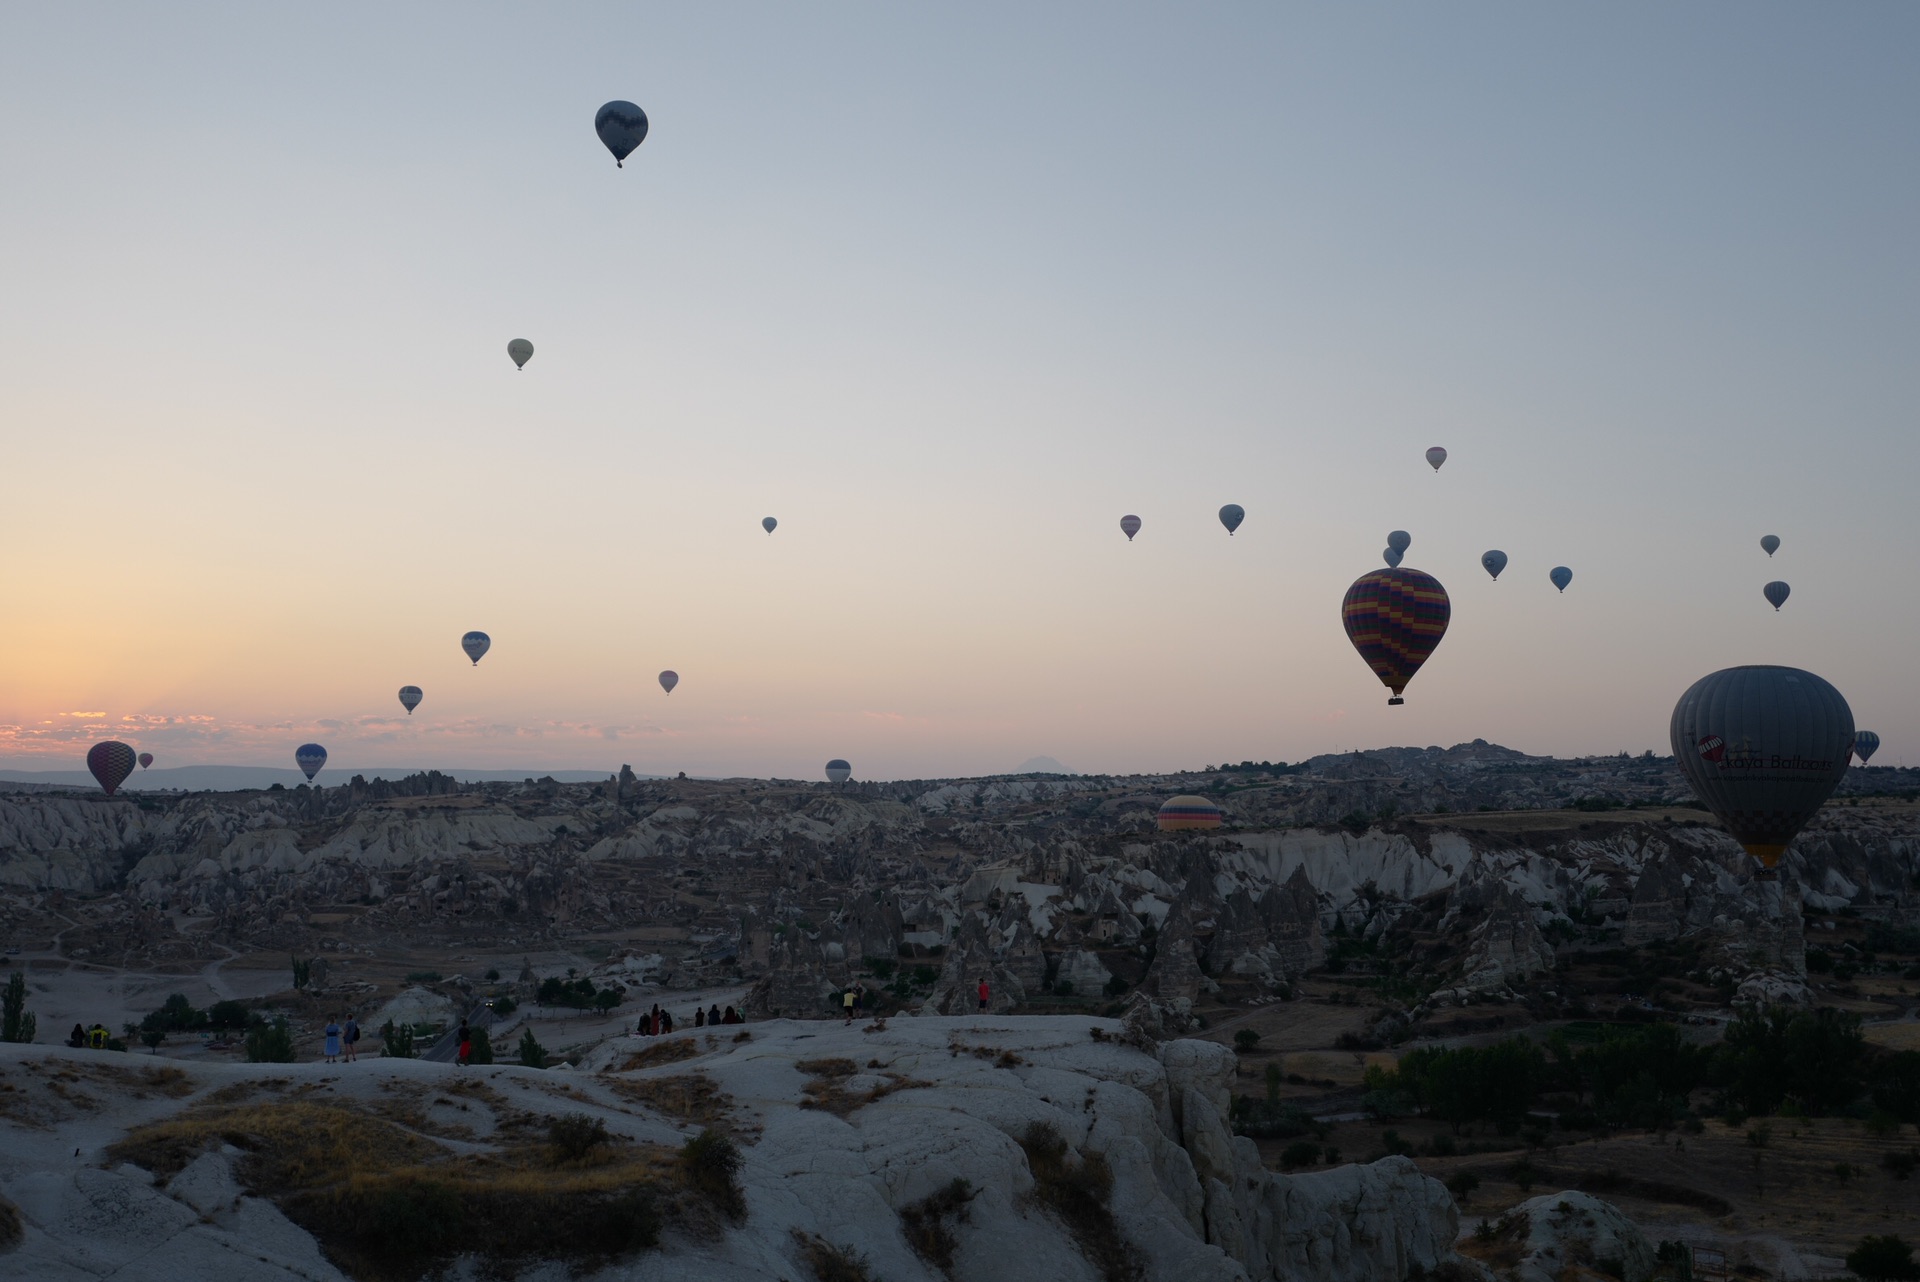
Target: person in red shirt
[
  {"x": 466, "y": 1044},
  {"x": 985, "y": 993}
]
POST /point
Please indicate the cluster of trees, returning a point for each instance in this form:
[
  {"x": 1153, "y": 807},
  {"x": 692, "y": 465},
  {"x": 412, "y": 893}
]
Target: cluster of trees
[
  {"x": 1772, "y": 1059},
  {"x": 580, "y": 994},
  {"x": 17, "y": 1023}
]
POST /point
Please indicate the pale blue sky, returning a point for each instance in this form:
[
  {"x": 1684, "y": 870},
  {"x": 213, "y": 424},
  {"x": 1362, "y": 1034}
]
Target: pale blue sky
[{"x": 947, "y": 293}]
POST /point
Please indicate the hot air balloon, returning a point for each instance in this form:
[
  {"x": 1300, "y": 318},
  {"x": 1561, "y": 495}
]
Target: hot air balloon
[
  {"x": 1399, "y": 540},
  {"x": 1776, "y": 593},
  {"x": 1865, "y": 744},
  {"x": 146, "y": 758},
  {"x": 521, "y": 351},
  {"x": 1395, "y": 618},
  {"x": 410, "y": 697},
  {"x": 1177, "y": 813},
  {"x": 838, "y": 771},
  {"x": 476, "y": 644},
  {"x": 669, "y": 679},
  {"x": 310, "y": 757},
  {"x": 1231, "y": 515},
  {"x": 1130, "y": 526},
  {"x": 1561, "y": 576},
  {"x": 1763, "y": 747},
  {"x": 767, "y": 523},
  {"x": 1435, "y": 457},
  {"x": 622, "y": 127},
  {"x": 1769, "y": 543},
  {"x": 111, "y": 762},
  {"x": 1392, "y": 556},
  {"x": 1493, "y": 562}
]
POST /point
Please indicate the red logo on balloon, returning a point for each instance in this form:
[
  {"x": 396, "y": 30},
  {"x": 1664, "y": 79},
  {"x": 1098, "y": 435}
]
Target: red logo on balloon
[{"x": 1712, "y": 747}]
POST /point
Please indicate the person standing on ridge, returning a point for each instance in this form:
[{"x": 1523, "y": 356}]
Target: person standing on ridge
[
  {"x": 351, "y": 1036},
  {"x": 466, "y": 1045},
  {"x": 846, "y": 1003},
  {"x": 985, "y": 994},
  {"x": 332, "y": 1048},
  {"x": 713, "y": 1016}
]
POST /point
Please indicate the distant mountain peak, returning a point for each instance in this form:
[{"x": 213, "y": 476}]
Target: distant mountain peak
[{"x": 1040, "y": 766}]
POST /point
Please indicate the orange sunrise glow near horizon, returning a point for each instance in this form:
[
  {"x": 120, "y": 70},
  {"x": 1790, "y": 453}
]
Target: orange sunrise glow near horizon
[{"x": 946, "y": 293}]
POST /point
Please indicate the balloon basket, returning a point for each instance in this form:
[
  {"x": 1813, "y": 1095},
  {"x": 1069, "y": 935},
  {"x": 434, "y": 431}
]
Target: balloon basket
[{"x": 1396, "y": 699}]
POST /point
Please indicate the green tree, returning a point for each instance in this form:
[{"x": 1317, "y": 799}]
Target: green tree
[
  {"x": 153, "y": 1037},
  {"x": 482, "y": 1047},
  {"x": 532, "y": 1053},
  {"x": 396, "y": 1041},
  {"x": 1878, "y": 1258},
  {"x": 1273, "y": 1086},
  {"x": 17, "y": 1023},
  {"x": 270, "y": 1043},
  {"x": 1817, "y": 1057},
  {"x": 1896, "y": 1085},
  {"x": 302, "y": 971},
  {"x": 227, "y": 1014}
]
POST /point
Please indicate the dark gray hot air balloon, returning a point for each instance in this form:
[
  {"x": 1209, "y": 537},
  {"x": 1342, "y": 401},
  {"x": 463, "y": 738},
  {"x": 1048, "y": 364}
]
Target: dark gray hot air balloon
[
  {"x": 1561, "y": 576},
  {"x": 1436, "y": 456},
  {"x": 622, "y": 127},
  {"x": 1231, "y": 515},
  {"x": 1763, "y": 747},
  {"x": 669, "y": 679},
  {"x": 310, "y": 757},
  {"x": 410, "y": 697},
  {"x": 767, "y": 523},
  {"x": 1493, "y": 562},
  {"x": 1392, "y": 556},
  {"x": 1770, "y": 543},
  {"x": 1865, "y": 744},
  {"x": 476, "y": 644},
  {"x": 521, "y": 351},
  {"x": 1130, "y": 526},
  {"x": 1399, "y": 540},
  {"x": 1776, "y": 593},
  {"x": 838, "y": 771}
]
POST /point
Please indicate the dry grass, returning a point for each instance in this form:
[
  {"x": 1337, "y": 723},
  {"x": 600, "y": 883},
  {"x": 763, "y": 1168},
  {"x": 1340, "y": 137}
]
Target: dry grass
[
  {"x": 928, "y": 1223},
  {"x": 11, "y": 1229},
  {"x": 827, "y": 1090},
  {"x": 667, "y": 1052},
  {"x": 691, "y": 1097},
  {"x": 830, "y": 1263}
]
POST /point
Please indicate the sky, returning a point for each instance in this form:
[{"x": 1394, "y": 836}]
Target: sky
[{"x": 947, "y": 291}]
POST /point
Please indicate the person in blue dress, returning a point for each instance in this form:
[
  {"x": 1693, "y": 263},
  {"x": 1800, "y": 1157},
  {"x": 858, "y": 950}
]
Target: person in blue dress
[{"x": 333, "y": 1039}]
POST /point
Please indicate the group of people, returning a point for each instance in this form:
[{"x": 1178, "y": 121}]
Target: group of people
[
  {"x": 84, "y": 1038},
  {"x": 656, "y": 1021},
  {"x": 342, "y": 1042}
]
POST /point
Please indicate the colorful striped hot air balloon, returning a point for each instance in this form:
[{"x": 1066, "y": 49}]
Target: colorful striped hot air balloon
[
  {"x": 476, "y": 644},
  {"x": 838, "y": 771},
  {"x": 310, "y": 757},
  {"x": 1395, "y": 618},
  {"x": 410, "y": 697},
  {"x": 1865, "y": 744},
  {"x": 111, "y": 762},
  {"x": 1177, "y": 813}
]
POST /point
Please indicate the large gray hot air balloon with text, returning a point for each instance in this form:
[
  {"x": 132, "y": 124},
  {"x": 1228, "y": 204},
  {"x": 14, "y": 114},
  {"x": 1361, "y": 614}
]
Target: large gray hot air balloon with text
[
  {"x": 476, "y": 644},
  {"x": 410, "y": 697},
  {"x": 838, "y": 771},
  {"x": 1130, "y": 526},
  {"x": 1763, "y": 747},
  {"x": 310, "y": 757},
  {"x": 1493, "y": 562},
  {"x": 521, "y": 351},
  {"x": 622, "y": 127}
]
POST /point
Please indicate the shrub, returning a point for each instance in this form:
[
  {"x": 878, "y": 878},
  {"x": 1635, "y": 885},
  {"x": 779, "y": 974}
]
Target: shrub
[
  {"x": 1245, "y": 1040},
  {"x": 1523, "y": 1175},
  {"x": 152, "y": 1037},
  {"x": 1878, "y": 1258},
  {"x": 1078, "y": 1193},
  {"x": 830, "y": 1263},
  {"x": 504, "y": 1004},
  {"x": 926, "y": 1223},
  {"x": 575, "y": 1136},
  {"x": 1895, "y": 1083},
  {"x": 482, "y": 1047},
  {"x": 423, "y": 977},
  {"x": 1462, "y": 1184},
  {"x": 1299, "y": 1153},
  {"x": 227, "y": 1014},
  {"x": 1064, "y": 988},
  {"x": 532, "y": 1053},
  {"x": 17, "y": 1024},
  {"x": 1900, "y": 1165},
  {"x": 270, "y": 1043},
  {"x": 493, "y": 975},
  {"x": 710, "y": 1164}
]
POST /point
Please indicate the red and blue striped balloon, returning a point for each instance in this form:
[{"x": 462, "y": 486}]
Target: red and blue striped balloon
[{"x": 1395, "y": 618}]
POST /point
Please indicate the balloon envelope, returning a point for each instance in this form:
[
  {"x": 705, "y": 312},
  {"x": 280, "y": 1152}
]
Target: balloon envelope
[
  {"x": 1865, "y": 744},
  {"x": 476, "y": 644},
  {"x": 767, "y": 523},
  {"x": 1776, "y": 593},
  {"x": 669, "y": 679},
  {"x": 1231, "y": 515},
  {"x": 1177, "y": 813},
  {"x": 1561, "y": 576},
  {"x": 1493, "y": 562},
  {"x": 622, "y": 127},
  {"x": 310, "y": 757},
  {"x": 146, "y": 759},
  {"x": 521, "y": 351},
  {"x": 1130, "y": 526},
  {"x": 1770, "y": 543},
  {"x": 838, "y": 771},
  {"x": 1763, "y": 747},
  {"x": 111, "y": 762},
  {"x": 1435, "y": 457},
  {"x": 1392, "y": 556},
  {"x": 410, "y": 697},
  {"x": 1395, "y": 618},
  {"x": 1399, "y": 540}
]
